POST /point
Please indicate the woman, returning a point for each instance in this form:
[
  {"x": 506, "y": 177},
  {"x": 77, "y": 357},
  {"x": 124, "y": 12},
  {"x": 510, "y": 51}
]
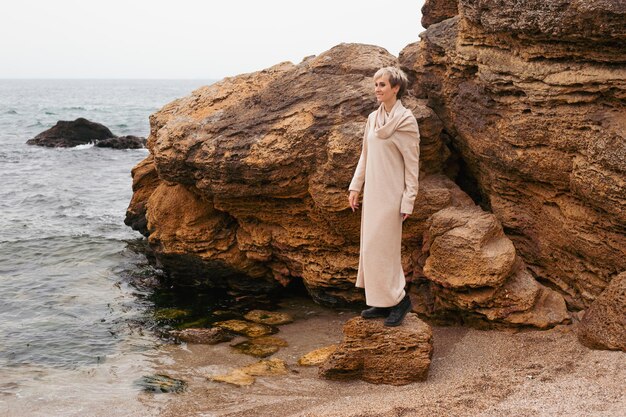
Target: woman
[{"x": 389, "y": 169}]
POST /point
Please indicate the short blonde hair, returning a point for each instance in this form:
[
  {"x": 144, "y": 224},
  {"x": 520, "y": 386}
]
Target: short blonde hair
[{"x": 396, "y": 77}]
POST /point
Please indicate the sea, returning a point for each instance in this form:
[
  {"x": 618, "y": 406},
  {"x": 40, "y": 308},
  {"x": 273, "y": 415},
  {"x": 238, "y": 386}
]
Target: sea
[{"x": 73, "y": 336}]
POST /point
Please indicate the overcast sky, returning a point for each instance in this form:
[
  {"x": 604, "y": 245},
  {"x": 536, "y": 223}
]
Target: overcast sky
[{"x": 188, "y": 38}]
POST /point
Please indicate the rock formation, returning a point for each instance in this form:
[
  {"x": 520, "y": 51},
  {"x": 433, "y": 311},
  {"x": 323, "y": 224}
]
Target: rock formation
[
  {"x": 248, "y": 190},
  {"x": 523, "y": 156},
  {"x": 122, "y": 142},
  {"x": 382, "y": 355},
  {"x": 604, "y": 324},
  {"x": 246, "y": 181},
  {"x": 531, "y": 96},
  {"x": 474, "y": 271},
  {"x": 203, "y": 336},
  {"x": 67, "y": 134}
]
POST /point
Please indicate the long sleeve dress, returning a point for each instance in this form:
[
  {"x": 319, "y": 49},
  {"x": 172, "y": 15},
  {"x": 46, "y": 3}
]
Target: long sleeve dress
[{"x": 389, "y": 170}]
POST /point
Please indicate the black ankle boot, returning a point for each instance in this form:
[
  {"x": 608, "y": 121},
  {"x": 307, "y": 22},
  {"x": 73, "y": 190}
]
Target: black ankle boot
[
  {"x": 397, "y": 313},
  {"x": 375, "y": 312}
]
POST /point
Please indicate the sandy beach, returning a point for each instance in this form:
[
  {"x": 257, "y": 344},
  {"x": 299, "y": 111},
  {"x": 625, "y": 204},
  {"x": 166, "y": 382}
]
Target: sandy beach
[{"x": 473, "y": 373}]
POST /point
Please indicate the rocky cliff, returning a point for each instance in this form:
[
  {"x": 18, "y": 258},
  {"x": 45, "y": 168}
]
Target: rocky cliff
[
  {"x": 532, "y": 96},
  {"x": 245, "y": 185}
]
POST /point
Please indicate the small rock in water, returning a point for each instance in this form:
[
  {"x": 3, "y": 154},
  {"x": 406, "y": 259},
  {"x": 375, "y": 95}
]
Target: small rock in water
[
  {"x": 202, "y": 336},
  {"x": 250, "y": 348},
  {"x": 199, "y": 323},
  {"x": 122, "y": 142},
  {"x": 268, "y": 317},
  {"x": 245, "y": 375},
  {"x": 161, "y": 383},
  {"x": 270, "y": 341},
  {"x": 247, "y": 328},
  {"x": 66, "y": 134},
  {"x": 317, "y": 356},
  {"x": 266, "y": 368},
  {"x": 236, "y": 377}
]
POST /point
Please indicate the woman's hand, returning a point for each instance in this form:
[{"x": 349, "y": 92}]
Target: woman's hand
[
  {"x": 405, "y": 216},
  {"x": 353, "y": 199}
]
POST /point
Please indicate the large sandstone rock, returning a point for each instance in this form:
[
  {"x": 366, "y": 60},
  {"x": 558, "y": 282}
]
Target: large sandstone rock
[
  {"x": 382, "y": 355},
  {"x": 473, "y": 270},
  {"x": 245, "y": 187},
  {"x": 246, "y": 181},
  {"x": 467, "y": 248},
  {"x": 604, "y": 324},
  {"x": 531, "y": 95}
]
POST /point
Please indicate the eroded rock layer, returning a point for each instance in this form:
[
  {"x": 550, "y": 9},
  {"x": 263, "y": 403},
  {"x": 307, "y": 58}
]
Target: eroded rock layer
[
  {"x": 533, "y": 96},
  {"x": 434, "y": 11}
]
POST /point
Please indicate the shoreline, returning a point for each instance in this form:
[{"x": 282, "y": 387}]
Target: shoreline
[{"x": 473, "y": 372}]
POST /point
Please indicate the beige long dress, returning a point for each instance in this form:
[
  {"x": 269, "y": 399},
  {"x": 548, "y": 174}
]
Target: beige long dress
[{"x": 389, "y": 168}]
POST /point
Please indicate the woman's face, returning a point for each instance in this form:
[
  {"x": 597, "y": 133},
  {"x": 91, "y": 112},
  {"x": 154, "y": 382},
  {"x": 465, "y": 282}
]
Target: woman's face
[{"x": 383, "y": 90}]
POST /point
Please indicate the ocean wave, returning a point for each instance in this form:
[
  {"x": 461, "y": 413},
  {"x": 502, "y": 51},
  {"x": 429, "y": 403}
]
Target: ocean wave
[
  {"x": 81, "y": 147},
  {"x": 75, "y": 239},
  {"x": 11, "y": 112}
]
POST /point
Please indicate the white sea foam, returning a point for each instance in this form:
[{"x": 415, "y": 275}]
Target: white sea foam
[{"x": 81, "y": 147}]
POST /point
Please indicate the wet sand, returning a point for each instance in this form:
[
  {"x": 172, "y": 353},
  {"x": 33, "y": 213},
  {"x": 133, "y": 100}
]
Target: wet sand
[{"x": 473, "y": 373}]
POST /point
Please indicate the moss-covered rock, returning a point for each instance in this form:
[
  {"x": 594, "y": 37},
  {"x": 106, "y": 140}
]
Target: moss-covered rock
[
  {"x": 161, "y": 383},
  {"x": 247, "y": 328},
  {"x": 210, "y": 336},
  {"x": 268, "y": 317}
]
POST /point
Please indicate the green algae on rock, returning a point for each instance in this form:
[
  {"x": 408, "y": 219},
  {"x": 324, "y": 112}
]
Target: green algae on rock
[
  {"x": 266, "y": 367},
  {"x": 248, "y": 347},
  {"x": 268, "y": 317},
  {"x": 247, "y": 328},
  {"x": 210, "y": 336},
  {"x": 270, "y": 340},
  {"x": 161, "y": 383},
  {"x": 198, "y": 323},
  {"x": 171, "y": 313}
]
